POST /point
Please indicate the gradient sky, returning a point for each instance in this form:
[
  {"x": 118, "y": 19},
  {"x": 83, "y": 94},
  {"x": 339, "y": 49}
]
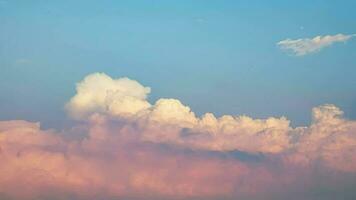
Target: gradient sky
[
  {"x": 247, "y": 99},
  {"x": 219, "y": 51}
]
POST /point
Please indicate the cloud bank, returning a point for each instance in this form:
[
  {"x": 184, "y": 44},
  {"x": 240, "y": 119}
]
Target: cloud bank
[
  {"x": 133, "y": 149},
  {"x": 303, "y": 46}
]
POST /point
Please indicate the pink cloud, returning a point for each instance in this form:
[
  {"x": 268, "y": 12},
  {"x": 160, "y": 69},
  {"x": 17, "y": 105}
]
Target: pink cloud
[{"x": 163, "y": 151}]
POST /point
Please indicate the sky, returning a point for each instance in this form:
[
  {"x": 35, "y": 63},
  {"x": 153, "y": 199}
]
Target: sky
[
  {"x": 129, "y": 99},
  {"x": 217, "y": 51}
]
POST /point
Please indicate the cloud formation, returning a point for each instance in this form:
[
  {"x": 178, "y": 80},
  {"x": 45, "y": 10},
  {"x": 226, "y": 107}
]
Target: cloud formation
[
  {"x": 303, "y": 46},
  {"x": 169, "y": 121},
  {"x": 133, "y": 149},
  {"x": 99, "y": 93}
]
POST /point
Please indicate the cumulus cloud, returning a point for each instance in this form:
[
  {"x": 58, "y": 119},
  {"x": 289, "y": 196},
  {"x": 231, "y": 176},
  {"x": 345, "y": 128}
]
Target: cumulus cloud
[
  {"x": 99, "y": 93},
  {"x": 45, "y": 165},
  {"x": 133, "y": 149},
  {"x": 303, "y": 46},
  {"x": 126, "y": 99},
  {"x": 169, "y": 121}
]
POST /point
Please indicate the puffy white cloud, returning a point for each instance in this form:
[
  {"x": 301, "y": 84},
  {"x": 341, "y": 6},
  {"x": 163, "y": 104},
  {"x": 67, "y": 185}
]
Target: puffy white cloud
[
  {"x": 99, "y": 93},
  {"x": 330, "y": 139},
  {"x": 169, "y": 121},
  {"x": 163, "y": 122},
  {"x": 227, "y": 133},
  {"x": 246, "y": 134},
  {"x": 172, "y": 111},
  {"x": 327, "y": 113},
  {"x": 305, "y": 46}
]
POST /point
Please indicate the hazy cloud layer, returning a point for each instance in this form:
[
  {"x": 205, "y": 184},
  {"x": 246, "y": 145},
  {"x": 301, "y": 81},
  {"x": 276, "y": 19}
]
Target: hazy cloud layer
[
  {"x": 303, "y": 46},
  {"x": 133, "y": 149}
]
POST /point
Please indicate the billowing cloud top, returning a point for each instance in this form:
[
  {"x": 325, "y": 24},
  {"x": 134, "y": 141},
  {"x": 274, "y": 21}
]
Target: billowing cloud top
[
  {"x": 301, "y": 47},
  {"x": 101, "y": 94},
  {"x": 169, "y": 121},
  {"x": 133, "y": 149}
]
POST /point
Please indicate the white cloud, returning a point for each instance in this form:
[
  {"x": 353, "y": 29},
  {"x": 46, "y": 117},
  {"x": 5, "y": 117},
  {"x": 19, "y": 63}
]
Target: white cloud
[
  {"x": 169, "y": 121},
  {"x": 124, "y": 98},
  {"x": 172, "y": 111},
  {"x": 99, "y": 93},
  {"x": 305, "y": 46}
]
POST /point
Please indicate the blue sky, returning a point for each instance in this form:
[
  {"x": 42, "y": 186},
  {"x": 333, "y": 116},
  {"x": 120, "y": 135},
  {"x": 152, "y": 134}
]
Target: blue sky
[{"x": 215, "y": 56}]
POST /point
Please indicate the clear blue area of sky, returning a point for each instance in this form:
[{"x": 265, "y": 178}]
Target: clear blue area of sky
[{"x": 215, "y": 56}]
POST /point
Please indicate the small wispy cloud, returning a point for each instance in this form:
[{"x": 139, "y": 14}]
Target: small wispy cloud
[{"x": 303, "y": 46}]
